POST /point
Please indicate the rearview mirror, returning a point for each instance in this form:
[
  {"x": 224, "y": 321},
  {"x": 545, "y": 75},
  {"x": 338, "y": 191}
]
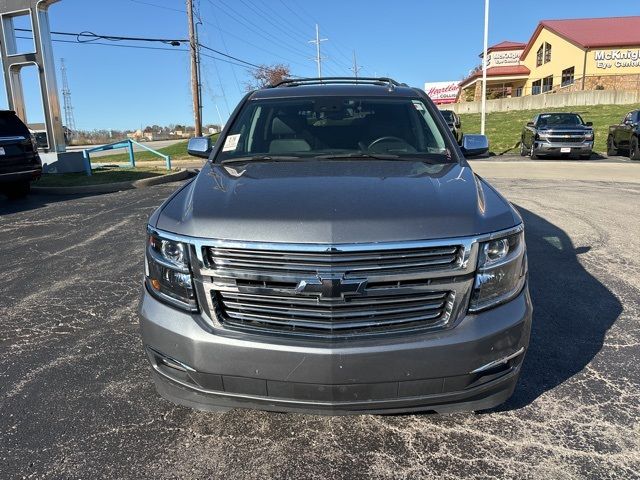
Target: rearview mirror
[
  {"x": 199, "y": 147},
  {"x": 589, "y": 124},
  {"x": 473, "y": 145}
]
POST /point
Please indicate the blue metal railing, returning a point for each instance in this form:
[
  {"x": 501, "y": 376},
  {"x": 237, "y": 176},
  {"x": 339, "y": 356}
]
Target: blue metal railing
[{"x": 128, "y": 144}]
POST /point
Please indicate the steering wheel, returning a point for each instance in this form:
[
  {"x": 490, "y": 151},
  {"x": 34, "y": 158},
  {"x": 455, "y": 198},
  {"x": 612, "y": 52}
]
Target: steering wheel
[{"x": 404, "y": 145}]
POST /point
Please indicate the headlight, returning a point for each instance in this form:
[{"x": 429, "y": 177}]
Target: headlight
[
  {"x": 542, "y": 135},
  {"x": 588, "y": 136},
  {"x": 502, "y": 271},
  {"x": 167, "y": 273}
]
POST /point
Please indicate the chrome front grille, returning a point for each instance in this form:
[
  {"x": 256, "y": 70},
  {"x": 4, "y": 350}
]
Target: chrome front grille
[
  {"x": 367, "y": 314},
  {"x": 336, "y": 290},
  {"x": 348, "y": 263},
  {"x": 566, "y": 137}
]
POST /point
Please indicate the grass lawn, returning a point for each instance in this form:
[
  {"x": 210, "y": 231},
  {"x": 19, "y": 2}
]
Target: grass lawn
[
  {"x": 177, "y": 151},
  {"x": 100, "y": 176},
  {"x": 504, "y": 128}
]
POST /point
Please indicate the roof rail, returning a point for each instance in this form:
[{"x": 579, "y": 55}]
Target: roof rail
[{"x": 382, "y": 81}]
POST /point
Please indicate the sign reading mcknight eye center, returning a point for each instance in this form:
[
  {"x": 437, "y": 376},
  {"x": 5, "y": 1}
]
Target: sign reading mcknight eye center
[{"x": 617, "y": 58}]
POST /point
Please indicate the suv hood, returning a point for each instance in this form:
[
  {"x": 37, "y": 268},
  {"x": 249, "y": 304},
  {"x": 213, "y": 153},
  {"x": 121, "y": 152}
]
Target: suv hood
[
  {"x": 562, "y": 128},
  {"x": 335, "y": 202}
]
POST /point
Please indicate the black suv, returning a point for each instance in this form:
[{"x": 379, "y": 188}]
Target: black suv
[
  {"x": 19, "y": 160},
  {"x": 454, "y": 123}
]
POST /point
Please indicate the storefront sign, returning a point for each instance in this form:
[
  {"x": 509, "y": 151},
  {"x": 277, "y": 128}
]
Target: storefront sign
[
  {"x": 617, "y": 58},
  {"x": 442, "y": 92},
  {"x": 511, "y": 57}
]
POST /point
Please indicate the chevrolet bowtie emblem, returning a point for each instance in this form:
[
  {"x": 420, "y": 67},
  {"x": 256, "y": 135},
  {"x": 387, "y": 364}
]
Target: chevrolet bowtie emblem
[{"x": 331, "y": 288}]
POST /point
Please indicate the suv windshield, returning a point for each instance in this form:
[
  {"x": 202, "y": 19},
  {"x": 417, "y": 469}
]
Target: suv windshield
[
  {"x": 550, "y": 119},
  {"x": 448, "y": 115},
  {"x": 332, "y": 126}
]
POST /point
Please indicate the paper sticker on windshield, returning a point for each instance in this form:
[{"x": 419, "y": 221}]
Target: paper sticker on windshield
[{"x": 231, "y": 142}]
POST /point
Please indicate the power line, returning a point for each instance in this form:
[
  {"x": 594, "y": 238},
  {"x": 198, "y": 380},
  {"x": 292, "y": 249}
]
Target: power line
[
  {"x": 87, "y": 37},
  {"x": 116, "y": 38},
  {"x": 229, "y": 56},
  {"x": 237, "y": 37},
  {"x": 254, "y": 27},
  {"x": 158, "y": 6},
  {"x": 141, "y": 47}
]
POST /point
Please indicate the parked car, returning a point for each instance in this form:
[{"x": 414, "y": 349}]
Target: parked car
[
  {"x": 454, "y": 123},
  {"x": 19, "y": 160},
  {"x": 625, "y": 137},
  {"x": 557, "y": 134},
  {"x": 336, "y": 254}
]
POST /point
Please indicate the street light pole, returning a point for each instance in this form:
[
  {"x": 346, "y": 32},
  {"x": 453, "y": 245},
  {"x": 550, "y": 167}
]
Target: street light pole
[{"x": 484, "y": 67}]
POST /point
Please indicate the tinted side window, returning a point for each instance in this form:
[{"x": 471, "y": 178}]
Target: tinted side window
[{"x": 11, "y": 125}]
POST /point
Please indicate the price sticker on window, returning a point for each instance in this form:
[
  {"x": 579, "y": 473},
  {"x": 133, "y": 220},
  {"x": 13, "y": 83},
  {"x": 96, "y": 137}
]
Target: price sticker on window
[{"x": 231, "y": 143}]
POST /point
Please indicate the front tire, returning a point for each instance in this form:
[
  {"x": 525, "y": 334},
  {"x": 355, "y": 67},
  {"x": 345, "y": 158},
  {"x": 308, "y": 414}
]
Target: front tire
[
  {"x": 612, "y": 151},
  {"x": 523, "y": 149},
  {"x": 634, "y": 149},
  {"x": 17, "y": 190}
]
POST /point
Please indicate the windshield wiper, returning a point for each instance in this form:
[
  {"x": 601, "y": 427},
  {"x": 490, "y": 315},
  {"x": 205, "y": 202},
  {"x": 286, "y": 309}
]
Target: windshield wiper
[
  {"x": 374, "y": 156},
  {"x": 262, "y": 158}
]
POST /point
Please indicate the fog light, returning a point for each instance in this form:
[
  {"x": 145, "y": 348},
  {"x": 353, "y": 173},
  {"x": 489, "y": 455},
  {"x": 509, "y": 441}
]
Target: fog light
[{"x": 155, "y": 284}]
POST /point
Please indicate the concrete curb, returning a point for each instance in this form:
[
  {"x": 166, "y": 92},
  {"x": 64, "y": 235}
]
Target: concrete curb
[{"x": 113, "y": 187}]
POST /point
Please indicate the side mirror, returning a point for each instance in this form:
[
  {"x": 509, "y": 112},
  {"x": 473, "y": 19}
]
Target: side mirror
[
  {"x": 473, "y": 145},
  {"x": 199, "y": 147},
  {"x": 530, "y": 124},
  {"x": 458, "y": 124},
  {"x": 589, "y": 124}
]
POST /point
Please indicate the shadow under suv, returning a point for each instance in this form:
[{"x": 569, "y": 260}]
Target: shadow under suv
[{"x": 336, "y": 254}]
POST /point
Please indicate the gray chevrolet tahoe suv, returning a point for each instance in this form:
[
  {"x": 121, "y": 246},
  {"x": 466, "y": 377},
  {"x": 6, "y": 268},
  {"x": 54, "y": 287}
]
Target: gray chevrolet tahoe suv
[{"x": 336, "y": 254}]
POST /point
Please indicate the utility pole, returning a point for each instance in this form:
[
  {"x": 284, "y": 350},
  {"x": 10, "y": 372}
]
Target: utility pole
[
  {"x": 356, "y": 68},
  {"x": 66, "y": 97},
  {"x": 484, "y": 67},
  {"x": 195, "y": 74},
  {"x": 319, "y": 57}
]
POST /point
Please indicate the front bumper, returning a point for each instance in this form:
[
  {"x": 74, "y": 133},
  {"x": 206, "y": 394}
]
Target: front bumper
[
  {"x": 443, "y": 371},
  {"x": 556, "y": 148}
]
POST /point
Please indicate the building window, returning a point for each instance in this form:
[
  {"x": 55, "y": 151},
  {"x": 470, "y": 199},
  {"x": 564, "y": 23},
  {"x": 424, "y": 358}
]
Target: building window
[
  {"x": 547, "y": 83},
  {"x": 536, "y": 87},
  {"x": 539, "y": 56},
  {"x": 567, "y": 76},
  {"x": 547, "y": 52},
  {"x": 517, "y": 92}
]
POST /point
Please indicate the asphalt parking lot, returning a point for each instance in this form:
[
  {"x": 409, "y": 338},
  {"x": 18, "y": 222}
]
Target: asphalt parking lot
[{"x": 76, "y": 399}]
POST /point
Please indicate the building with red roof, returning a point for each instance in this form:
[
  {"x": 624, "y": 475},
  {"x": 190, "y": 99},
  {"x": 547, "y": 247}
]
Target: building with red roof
[{"x": 560, "y": 56}]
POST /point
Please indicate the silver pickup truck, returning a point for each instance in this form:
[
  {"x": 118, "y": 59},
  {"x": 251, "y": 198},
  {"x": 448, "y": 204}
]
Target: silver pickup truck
[{"x": 336, "y": 254}]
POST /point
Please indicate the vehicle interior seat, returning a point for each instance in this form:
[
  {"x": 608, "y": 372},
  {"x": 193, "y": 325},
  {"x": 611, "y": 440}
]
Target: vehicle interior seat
[{"x": 288, "y": 135}]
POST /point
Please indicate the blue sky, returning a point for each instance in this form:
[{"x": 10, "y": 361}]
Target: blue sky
[{"x": 412, "y": 40}]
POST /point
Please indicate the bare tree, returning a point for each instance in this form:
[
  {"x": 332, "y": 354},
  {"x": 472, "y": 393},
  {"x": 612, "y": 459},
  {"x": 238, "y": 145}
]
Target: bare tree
[{"x": 267, "y": 75}]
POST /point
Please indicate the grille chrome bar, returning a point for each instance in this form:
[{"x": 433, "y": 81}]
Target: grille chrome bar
[
  {"x": 347, "y": 263},
  {"x": 358, "y": 315}
]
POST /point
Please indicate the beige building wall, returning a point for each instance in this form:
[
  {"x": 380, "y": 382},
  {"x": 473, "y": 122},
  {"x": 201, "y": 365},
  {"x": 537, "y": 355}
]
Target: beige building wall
[{"x": 564, "y": 54}]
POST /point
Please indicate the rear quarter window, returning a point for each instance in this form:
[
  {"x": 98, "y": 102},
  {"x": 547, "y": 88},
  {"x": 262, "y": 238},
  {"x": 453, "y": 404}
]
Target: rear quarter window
[{"x": 11, "y": 125}]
